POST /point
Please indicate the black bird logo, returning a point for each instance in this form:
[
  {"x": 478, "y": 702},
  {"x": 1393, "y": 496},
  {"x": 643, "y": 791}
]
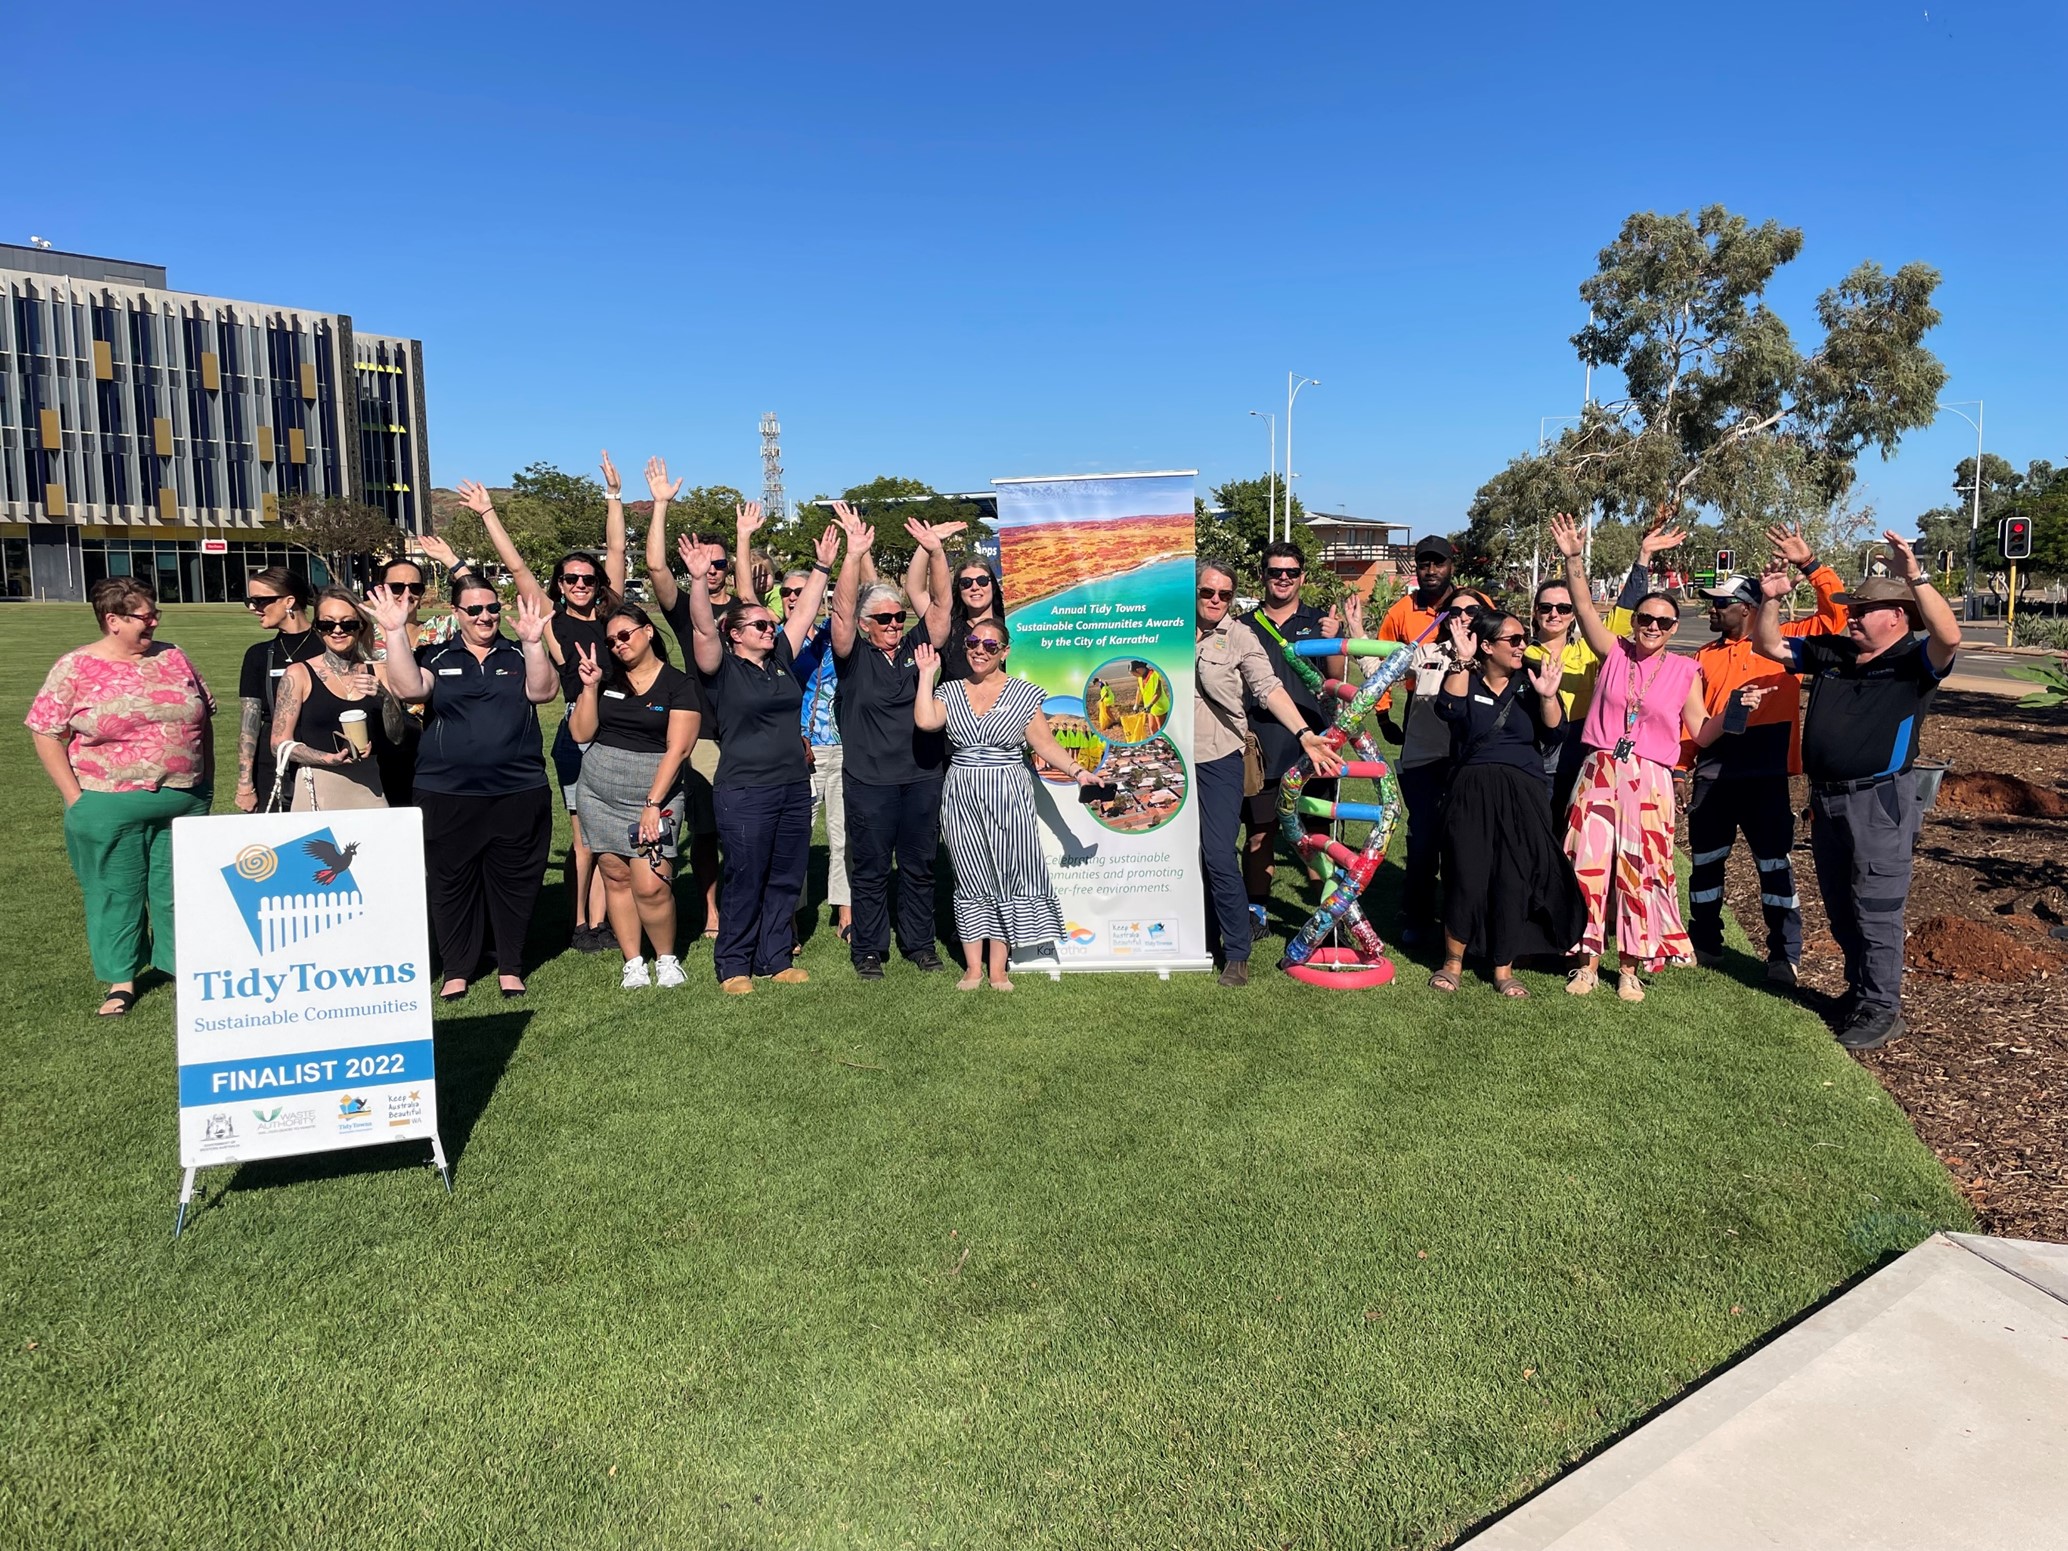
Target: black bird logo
[{"x": 334, "y": 860}]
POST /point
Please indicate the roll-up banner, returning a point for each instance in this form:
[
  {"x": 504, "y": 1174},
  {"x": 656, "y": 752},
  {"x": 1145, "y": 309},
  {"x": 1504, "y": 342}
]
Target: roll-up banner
[
  {"x": 1098, "y": 574},
  {"x": 304, "y": 1001}
]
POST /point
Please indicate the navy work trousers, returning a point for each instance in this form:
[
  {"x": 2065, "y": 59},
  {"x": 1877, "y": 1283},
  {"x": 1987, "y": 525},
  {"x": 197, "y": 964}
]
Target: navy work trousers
[
  {"x": 899, "y": 823},
  {"x": 1862, "y": 843},
  {"x": 1759, "y": 806},
  {"x": 765, "y": 834},
  {"x": 1422, "y": 789},
  {"x": 1220, "y": 820}
]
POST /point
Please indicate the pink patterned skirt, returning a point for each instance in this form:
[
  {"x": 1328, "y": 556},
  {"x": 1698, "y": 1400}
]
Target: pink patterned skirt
[{"x": 1619, "y": 834}]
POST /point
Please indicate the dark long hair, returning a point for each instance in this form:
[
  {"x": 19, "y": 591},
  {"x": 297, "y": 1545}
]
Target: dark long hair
[
  {"x": 959, "y": 617},
  {"x": 606, "y": 595},
  {"x": 613, "y": 668}
]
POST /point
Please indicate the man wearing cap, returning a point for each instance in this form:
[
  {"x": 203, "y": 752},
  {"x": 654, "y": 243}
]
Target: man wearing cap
[
  {"x": 1421, "y": 788},
  {"x": 1741, "y": 780},
  {"x": 1869, "y": 690}
]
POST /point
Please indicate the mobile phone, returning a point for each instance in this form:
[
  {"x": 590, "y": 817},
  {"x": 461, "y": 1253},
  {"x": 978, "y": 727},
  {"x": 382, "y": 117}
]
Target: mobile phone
[{"x": 1098, "y": 791}]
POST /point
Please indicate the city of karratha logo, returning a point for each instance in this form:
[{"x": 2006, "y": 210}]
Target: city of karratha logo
[{"x": 290, "y": 893}]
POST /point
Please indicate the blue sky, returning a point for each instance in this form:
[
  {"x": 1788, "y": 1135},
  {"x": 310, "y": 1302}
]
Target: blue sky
[{"x": 960, "y": 242}]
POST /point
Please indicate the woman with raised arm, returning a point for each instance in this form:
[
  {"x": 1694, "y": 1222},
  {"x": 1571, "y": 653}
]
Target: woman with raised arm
[
  {"x": 700, "y": 815},
  {"x": 336, "y": 715},
  {"x": 763, "y": 786},
  {"x": 979, "y": 599},
  {"x": 639, "y": 716},
  {"x": 1508, "y": 889},
  {"x": 893, "y": 766},
  {"x": 401, "y": 574},
  {"x": 1003, "y": 898},
  {"x": 1619, "y": 830},
  {"x": 279, "y": 597},
  {"x": 582, "y": 591},
  {"x": 480, "y": 775}
]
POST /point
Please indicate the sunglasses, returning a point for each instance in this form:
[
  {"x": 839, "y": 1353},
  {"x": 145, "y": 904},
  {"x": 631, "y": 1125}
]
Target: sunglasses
[
  {"x": 1281, "y": 571},
  {"x": 1216, "y": 594},
  {"x": 971, "y": 583},
  {"x": 1554, "y": 608},
  {"x": 578, "y": 579},
  {"x": 983, "y": 643},
  {"x": 1654, "y": 621},
  {"x": 620, "y": 637},
  {"x": 1516, "y": 639},
  {"x": 259, "y": 602},
  {"x": 338, "y": 626},
  {"x": 476, "y": 610},
  {"x": 410, "y": 589},
  {"x": 896, "y": 617},
  {"x": 143, "y": 619},
  {"x": 758, "y": 624},
  {"x": 793, "y": 592}
]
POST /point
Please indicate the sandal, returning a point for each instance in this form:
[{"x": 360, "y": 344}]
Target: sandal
[
  {"x": 123, "y": 1000},
  {"x": 1446, "y": 980},
  {"x": 1582, "y": 981},
  {"x": 1628, "y": 987},
  {"x": 1511, "y": 987}
]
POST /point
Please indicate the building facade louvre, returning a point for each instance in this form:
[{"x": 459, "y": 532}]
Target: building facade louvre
[{"x": 137, "y": 422}]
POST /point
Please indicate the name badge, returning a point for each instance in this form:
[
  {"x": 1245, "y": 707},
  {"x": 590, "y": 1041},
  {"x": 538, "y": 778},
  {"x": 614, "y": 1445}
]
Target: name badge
[
  {"x": 449, "y": 673},
  {"x": 613, "y": 694},
  {"x": 278, "y": 671},
  {"x": 1482, "y": 700}
]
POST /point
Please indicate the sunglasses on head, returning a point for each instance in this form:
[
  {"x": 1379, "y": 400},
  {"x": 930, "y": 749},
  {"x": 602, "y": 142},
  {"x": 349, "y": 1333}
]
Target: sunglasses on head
[
  {"x": 984, "y": 643},
  {"x": 259, "y": 602},
  {"x": 620, "y": 637},
  {"x": 338, "y": 626},
  {"x": 1654, "y": 621},
  {"x": 1554, "y": 608},
  {"x": 758, "y": 624},
  {"x": 966, "y": 583},
  {"x": 1216, "y": 594},
  {"x": 1282, "y": 571},
  {"x": 476, "y": 610},
  {"x": 894, "y": 617}
]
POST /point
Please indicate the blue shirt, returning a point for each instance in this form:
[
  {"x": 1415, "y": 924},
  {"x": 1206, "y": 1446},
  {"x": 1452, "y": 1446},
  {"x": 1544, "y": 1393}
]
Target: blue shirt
[{"x": 820, "y": 677}]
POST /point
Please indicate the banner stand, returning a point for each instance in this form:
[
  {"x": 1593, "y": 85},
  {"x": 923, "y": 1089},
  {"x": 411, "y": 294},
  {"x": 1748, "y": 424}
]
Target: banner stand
[
  {"x": 179, "y": 1220},
  {"x": 304, "y": 988}
]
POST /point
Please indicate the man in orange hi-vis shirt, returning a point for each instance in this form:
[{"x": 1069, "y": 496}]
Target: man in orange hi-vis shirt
[
  {"x": 1421, "y": 786},
  {"x": 1741, "y": 780}
]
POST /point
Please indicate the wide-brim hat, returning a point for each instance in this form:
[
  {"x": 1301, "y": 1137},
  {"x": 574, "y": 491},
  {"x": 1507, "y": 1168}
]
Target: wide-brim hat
[{"x": 1881, "y": 589}]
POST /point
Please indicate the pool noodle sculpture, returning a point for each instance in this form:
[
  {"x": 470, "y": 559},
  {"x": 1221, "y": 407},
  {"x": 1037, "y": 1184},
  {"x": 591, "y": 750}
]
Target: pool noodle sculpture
[{"x": 1343, "y": 874}]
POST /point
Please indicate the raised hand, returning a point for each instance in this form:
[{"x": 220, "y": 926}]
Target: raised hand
[
  {"x": 827, "y": 545},
  {"x": 586, "y": 666},
  {"x": 440, "y": 552},
  {"x": 657, "y": 481},
  {"x": 611, "y": 482},
  {"x": 923, "y": 534},
  {"x": 747, "y": 518},
  {"x": 1773, "y": 581},
  {"x": 390, "y": 610},
  {"x": 531, "y": 621},
  {"x": 928, "y": 662},
  {"x": 1566, "y": 534},
  {"x": 1790, "y": 545},
  {"x": 861, "y": 538},
  {"x": 1353, "y": 615},
  {"x": 360, "y": 683},
  {"x": 699, "y": 557},
  {"x": 1548, "y": 674},
  {"x": 476, "y": 498},
  {"x": 1906, "y": 558},
  {"x": 1460, "y": 633},
  {"x": 1659, "y": 539}
]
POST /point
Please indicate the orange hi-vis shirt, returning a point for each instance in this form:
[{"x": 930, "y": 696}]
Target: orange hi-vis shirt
[
  {"x": 1405, "y": 621},
  {"x": 1771, "y": 743}
]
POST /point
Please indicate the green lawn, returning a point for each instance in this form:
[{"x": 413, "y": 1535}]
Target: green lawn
[{"x": 1109, "y": 1262}]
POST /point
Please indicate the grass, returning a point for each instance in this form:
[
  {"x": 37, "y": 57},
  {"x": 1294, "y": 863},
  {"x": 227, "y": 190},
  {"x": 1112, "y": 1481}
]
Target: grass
[{"x": 1110, "y": 1262}]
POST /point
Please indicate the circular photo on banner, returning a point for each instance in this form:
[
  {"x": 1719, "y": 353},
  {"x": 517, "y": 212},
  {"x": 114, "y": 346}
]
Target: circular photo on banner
[
  {"x": 1144, "y": 787},
  {"x": 1127, "y": 701},
  {"x": 1067, "y": 721}
]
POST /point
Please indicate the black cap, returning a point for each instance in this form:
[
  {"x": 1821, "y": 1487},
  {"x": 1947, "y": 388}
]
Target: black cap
[{"x": 1436, "y": 544}]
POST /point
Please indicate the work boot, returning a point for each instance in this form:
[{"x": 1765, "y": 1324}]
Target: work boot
[
  {"x": 1780, "y": 974},
  {"x": 1872, "y": 1027},
  {"x": 1236, "y": 974}
]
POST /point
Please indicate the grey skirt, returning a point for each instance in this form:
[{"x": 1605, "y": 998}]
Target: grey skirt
[{"x": 614, "y": 788}]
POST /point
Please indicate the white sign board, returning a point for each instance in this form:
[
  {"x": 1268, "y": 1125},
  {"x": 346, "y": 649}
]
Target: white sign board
[{"x": 304, "y": 984}]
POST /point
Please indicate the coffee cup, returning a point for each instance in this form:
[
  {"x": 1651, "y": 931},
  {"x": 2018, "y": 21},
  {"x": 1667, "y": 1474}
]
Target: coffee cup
[{"x": 353, "y": 725}]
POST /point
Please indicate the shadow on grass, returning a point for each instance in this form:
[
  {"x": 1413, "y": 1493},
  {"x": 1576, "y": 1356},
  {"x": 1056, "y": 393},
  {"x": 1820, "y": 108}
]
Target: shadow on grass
[
  {"x": 1887, "y": 1256},
  {"x": 472, "y": 1055}
]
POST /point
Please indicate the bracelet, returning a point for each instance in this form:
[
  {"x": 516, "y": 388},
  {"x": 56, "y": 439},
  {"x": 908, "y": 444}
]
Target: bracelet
[
  {"x": 822, "y": 568},
  {"x": 613, "y": 495},
  {"x": 1921, "y": 579},
  {"x": 650, "y": 803},
  {"x": 1809, "y": 565}
]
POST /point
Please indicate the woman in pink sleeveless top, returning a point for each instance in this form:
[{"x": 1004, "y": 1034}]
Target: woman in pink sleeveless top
[{"x": 1619, "y": 829}]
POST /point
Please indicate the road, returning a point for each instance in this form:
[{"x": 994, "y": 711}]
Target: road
[{"x": 1981, "y": 665}]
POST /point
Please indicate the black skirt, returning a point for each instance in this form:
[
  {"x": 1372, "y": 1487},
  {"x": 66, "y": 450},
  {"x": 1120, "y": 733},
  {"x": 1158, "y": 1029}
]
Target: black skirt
[{"x": 1509, "y": 890}]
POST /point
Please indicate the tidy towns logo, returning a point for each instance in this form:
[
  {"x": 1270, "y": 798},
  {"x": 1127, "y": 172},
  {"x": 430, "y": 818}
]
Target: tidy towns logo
[{"x": 292, "y": 892}]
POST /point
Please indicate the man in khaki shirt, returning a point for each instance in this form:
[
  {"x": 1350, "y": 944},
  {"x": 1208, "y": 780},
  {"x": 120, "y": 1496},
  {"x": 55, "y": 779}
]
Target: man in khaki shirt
[{"x": 1233, "y": 673}]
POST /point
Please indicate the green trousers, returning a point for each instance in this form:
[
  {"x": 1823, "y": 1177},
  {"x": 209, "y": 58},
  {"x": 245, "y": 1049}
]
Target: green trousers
[{"x": 120, "y": 844}]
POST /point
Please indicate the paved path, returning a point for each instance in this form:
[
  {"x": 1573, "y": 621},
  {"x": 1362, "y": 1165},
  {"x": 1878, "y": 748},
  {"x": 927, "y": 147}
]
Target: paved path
[
  {"x": 1926, "y": 1408},
  {"x": 1981, "y": 666}
]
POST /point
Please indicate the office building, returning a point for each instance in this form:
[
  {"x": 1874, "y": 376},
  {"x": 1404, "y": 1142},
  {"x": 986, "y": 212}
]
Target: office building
[{"x": 153, "y": 432}]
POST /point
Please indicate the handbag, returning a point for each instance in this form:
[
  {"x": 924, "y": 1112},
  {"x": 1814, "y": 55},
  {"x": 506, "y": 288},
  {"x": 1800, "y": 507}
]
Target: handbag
[{"x": 1253, "y": 767}]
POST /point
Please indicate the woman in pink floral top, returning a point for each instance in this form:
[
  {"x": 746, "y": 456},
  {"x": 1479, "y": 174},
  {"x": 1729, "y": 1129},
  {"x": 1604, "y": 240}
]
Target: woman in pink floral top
[{"x": 123, "y": 730}]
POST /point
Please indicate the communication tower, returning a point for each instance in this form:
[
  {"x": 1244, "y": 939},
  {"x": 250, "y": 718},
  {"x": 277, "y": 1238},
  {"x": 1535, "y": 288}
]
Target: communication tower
[{"x": 772, "y": 469}]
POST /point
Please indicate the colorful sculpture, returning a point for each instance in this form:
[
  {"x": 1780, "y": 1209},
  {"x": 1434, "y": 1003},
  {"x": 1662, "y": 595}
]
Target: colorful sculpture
[{"x": 1342, "y": 873}]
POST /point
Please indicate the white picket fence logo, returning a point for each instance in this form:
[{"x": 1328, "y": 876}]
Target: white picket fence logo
[{"x": 286, "y": 919}]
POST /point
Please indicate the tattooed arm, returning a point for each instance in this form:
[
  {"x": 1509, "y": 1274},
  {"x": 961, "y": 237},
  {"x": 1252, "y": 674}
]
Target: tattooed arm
[{"x": 250, "y": 714}]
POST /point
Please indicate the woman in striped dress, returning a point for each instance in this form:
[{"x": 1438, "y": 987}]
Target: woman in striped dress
[{"x": 1002, "y": 894}]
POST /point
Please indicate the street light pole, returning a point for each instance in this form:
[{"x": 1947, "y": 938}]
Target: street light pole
[
  {"x": 1292, "y": 391},
  {"x": 1974, "y": 521},
  {"x": 1271, "y": 522},
  {"x": 1536, "y": 543}
]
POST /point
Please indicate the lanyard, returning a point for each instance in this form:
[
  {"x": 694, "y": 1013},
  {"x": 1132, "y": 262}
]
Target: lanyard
[{"x": 1633, "y": 709}]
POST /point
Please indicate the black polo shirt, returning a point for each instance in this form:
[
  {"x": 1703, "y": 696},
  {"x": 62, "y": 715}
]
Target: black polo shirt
[
  {"x": 481, "y": 731},
  {"x": 626, "y": 719},
  {"x": 873, "y": 705},
  {"x": 1282, "y": 748},
  {"x": 758, "y": 713},
  {"x": 1863, "y": 717}
]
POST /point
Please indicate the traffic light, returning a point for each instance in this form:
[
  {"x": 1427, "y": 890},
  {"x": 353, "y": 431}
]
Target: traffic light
[
  {"x": 2014, "y": 538},
  {"x": 1724, "y": 557}
]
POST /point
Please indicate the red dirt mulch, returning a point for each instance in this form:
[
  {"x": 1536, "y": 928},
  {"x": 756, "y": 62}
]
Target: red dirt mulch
[{"x": 1983, "y": 1072}]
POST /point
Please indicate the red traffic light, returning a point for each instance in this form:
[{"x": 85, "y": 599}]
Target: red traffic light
[{"x": 2015, "y": 539}]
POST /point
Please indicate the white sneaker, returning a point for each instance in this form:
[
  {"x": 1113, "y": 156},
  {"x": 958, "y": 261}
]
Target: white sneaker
[
  {"x": 636, "y": 975},
  {"x": 667, "y": 971}
]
